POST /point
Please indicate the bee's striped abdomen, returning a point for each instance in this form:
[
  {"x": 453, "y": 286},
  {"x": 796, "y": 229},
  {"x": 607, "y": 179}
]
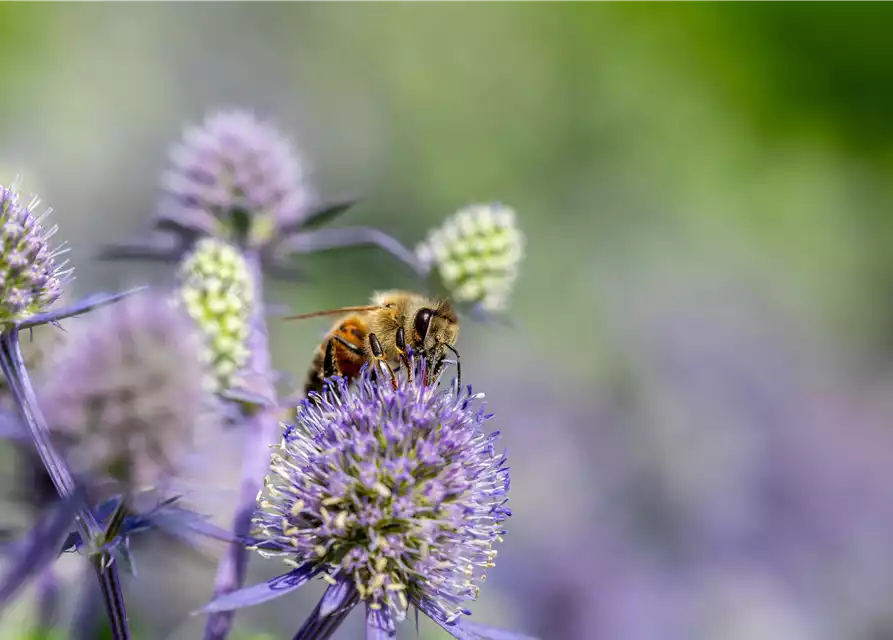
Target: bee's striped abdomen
[{"x": 347, "y": 361}]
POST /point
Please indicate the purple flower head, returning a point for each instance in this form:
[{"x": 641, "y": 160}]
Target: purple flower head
[
  {"x": 234, "y": 178},
  {"x": 395, "y": 496},
  {"x": 125, "y": 395},
  {"x": 30, "y": 279}
]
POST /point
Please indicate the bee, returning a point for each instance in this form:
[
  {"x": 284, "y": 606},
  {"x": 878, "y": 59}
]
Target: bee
[{"x": 381, "y": 334}]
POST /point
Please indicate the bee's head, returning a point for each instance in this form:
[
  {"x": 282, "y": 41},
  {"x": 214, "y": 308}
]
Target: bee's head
[{"x": 435, "y": 327}]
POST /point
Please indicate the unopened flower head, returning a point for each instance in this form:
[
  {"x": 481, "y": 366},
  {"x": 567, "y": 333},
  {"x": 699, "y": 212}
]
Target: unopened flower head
[
  {"x": 476, "y": 254},
  {"x": 30, "y": 278},
  {"x": 216, "y": 291},
  {"x": 399, "y": 494},
  {"x": 125, "y": 395},
  {"x": 236, "y": 178}
]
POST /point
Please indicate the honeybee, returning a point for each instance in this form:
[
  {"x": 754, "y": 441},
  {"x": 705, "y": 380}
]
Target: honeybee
[{"x": 381, "y": 333}]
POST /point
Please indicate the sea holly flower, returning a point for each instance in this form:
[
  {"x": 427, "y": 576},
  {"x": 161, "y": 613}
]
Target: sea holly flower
[
  {"x": 395, "y": 497},
  {"x": 216, "y": 291},
  {"x": 31, "y": 279},
  {"x": 475, "y": 255},
  {"x": 125, "y": 395},
  {"x": 236, "y": 178}
]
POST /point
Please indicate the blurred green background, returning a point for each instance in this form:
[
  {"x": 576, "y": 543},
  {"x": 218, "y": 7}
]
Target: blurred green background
[{"x": 695, "y": 394}]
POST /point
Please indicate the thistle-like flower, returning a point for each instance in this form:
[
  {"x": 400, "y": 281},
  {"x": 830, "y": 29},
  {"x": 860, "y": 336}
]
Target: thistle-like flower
[
  {"x": 125, "y": 394},
  {"x": 235, "y": 178},
  {"x": 30, "y": 278},
  {"x": 396, "y": 497},
  {"x": 476, "y": 254},
  {"x": 216, "y": 291}
]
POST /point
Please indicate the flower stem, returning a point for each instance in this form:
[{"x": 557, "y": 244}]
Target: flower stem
[
  {"x": 110, "y": 584},
  {"x": 319, "y": 628},
  {"x": 260, "y": 431},
  {"x": 87, "y": 613},
  {"x": 13, "y": 366}
]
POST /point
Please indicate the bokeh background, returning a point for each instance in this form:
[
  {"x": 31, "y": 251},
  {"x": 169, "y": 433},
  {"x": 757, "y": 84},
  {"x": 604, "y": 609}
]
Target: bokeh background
[{"x": 695, "y": 391}]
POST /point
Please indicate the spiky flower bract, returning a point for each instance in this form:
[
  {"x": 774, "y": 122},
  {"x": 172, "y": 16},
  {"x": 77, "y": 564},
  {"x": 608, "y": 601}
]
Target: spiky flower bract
[
  {"x": 396, "y": 496},
  {"x": 236, "y": 178},
  {"x": 476, "y": 254},
  {"x": 30, "y": 278},
  {"x": 126, "y": 393},
  {"x": 37, "y": 346},
  {"x": 216, "y": 291}
]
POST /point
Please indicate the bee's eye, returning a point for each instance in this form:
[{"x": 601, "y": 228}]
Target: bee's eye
[{"x": 422, "y": 322}]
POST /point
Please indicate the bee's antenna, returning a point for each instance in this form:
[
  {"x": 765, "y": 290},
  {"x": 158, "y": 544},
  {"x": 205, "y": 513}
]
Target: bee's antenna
[
  {"x": 331, "y": 312},
  {"x": 458, "y": 365}
]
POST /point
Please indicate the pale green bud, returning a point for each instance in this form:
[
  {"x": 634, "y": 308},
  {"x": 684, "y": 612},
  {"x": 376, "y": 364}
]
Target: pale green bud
[
  {"x": 476, "y": 255},
  {"x": 217, "y": 293}
]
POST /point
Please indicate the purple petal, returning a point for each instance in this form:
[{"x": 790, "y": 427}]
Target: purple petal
[
  {"x": 379, "y": 624},
  {"x": 183, "y": 523},
  {"x": 463, "y": 629},
  {"x": 348, "y": 237},
  {"x": 243, "y": 396},
  {"x": 485, "y": 632},
  {"x": 322, "y": 214},
  {"x": 335, "y": 597},
  {"x": 84, "y": 305},
  {"x": 37, "y": 550},
  {"x": 258, "y": 593},
  {"x": 139, "y": 250}
]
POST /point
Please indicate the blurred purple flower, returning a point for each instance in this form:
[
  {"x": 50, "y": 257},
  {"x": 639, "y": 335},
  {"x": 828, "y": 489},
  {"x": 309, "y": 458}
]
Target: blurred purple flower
[
  {"x": 125, "y": 395},
  {"x": 236, "y": 178}
]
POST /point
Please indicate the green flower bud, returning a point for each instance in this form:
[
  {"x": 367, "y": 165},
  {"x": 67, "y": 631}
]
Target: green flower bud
[
  {"x": 217, "y": 292},
  {"x": 476, "y": 255}
]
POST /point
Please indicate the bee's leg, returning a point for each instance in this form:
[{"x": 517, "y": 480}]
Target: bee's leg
[
  {"x": 329, "y": 364},
  {"x": 380, "y": 361},
  {"x": 441, "y": 365},
  {"x": 401, "y": 349}
]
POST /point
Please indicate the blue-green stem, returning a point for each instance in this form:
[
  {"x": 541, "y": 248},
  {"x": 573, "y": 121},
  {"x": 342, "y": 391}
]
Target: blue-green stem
[
  {"x": 110, "y": 585},
  {"x": 317, "y": 627},
  {"x": 260, "y": 432},
  {"x": 13, "y": 366}
]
